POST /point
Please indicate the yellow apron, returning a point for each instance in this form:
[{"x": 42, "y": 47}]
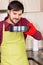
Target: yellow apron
[{"x": 13, "y": 51}]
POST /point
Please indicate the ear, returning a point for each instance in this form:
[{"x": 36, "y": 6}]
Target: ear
[{"x": 8, "y": 11}]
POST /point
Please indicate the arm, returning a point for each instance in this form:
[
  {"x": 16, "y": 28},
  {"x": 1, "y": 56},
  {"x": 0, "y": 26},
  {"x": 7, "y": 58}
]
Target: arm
[{"x": 33, "y": 32}]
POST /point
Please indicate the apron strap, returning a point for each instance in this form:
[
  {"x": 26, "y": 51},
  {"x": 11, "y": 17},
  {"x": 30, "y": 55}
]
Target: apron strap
[{"x": 3, "y": 27}]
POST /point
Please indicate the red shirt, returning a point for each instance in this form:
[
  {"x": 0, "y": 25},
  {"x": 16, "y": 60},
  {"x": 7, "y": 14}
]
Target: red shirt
[{"x": 23, "y": 22}]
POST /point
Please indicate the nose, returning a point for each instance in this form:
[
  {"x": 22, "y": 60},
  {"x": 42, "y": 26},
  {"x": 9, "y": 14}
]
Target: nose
[{"x": 17, "y": 16}]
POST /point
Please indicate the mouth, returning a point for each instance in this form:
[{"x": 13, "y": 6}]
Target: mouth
[{"x": 15, "y": 18}]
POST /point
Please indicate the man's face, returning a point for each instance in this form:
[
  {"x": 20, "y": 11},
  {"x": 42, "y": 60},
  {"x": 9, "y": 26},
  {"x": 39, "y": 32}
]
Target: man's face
[{"x": 14, "y": 16}]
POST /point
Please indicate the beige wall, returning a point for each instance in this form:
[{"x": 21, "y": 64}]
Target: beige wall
[
  {"x": 31, "y": 5},
  {"x": 3, "y": 4},
  {"x": 41, "y": 5}
]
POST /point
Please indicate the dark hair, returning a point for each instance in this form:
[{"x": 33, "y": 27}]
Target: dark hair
[{"x": 16, "y": 6}]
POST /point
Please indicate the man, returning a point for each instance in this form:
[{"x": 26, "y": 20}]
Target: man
[{"x": 13, "y": 50}]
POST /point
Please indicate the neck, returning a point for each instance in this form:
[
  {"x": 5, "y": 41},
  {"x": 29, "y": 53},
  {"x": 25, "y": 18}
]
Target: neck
[{"x": 9, "y": 21}]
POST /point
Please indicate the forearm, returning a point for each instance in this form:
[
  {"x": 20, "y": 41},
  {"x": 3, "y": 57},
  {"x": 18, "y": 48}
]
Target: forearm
[{"x": 37, "y": 35}]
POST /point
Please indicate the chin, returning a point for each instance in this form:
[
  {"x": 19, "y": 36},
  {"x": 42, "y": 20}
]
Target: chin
[{"x": 15, "y": 22}]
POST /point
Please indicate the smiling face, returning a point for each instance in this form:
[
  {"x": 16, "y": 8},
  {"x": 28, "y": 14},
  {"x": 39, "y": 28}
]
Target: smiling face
[{"x": 14, "y": 16}]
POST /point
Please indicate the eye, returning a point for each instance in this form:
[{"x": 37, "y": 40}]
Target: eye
[
  {"x": 14, "y": 13},
  {"x": 20, "y": 14}
]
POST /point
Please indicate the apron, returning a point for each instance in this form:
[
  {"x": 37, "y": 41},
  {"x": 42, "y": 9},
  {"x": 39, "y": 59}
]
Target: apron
[{"x": 13, "y": 49}]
